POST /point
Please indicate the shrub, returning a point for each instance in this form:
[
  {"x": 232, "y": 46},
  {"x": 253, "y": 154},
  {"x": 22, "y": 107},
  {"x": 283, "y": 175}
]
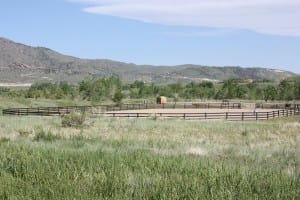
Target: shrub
[
  {"x": 74, "y": 119},
  {"x": 118, "y": 96}
]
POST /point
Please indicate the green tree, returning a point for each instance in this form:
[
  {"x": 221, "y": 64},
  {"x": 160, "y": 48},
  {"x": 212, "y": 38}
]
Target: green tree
[
  {"x": 270, "y": 93},
  {"x": 241, "y": 92},
  {"x": 286, "y": 90},
  {"x": 118, "y": 97},
  {"x": 228, "y": 90},
  {"x": 297, "y": 87}
]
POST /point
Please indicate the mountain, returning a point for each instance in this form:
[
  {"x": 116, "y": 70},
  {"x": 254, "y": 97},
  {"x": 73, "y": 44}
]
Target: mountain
[{"x": 20, "y": 63}]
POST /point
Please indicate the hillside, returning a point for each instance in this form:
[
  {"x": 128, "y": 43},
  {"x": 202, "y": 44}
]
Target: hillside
[{"x": 20, "y": 63}]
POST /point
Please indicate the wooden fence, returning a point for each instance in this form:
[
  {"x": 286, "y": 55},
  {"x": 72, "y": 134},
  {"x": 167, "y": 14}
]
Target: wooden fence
[
  {"x": 112, "y": 111},
  {"x": 234, "y": 116},
  {"x": 44, "y": 111},
  {"x": 98, "y": 109}
]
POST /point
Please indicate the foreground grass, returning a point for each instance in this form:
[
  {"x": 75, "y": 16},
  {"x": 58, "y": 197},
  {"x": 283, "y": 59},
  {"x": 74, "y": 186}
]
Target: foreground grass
[{"x": 149, "y": 159}]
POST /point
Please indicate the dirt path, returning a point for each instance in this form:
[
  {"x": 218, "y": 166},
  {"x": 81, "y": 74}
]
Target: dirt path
[{"x": 15, "y": 84}]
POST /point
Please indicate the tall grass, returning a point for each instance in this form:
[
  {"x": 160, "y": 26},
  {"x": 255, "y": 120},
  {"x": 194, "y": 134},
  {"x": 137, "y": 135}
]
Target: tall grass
[
  {"x": 31, "y": 173},
  {"x": 148, "y": 159}
]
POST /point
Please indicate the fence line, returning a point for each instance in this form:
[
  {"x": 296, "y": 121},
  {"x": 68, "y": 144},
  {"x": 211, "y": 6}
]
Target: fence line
[
  {"x": 49, "y": 111},
  {"x": 240, "y": 116},
  {"x": 103, "y": 109}
]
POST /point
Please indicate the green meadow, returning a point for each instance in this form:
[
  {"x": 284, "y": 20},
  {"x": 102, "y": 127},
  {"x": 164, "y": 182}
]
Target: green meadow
[{"x": 111, "y": 158}]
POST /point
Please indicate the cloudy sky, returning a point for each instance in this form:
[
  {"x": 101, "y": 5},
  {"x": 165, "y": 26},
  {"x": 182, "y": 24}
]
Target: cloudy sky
[{"x": 256, "y": 33}]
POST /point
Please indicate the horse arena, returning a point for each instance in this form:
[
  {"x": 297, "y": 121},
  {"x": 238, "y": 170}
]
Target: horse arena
[{"x": 187, "y": 111}]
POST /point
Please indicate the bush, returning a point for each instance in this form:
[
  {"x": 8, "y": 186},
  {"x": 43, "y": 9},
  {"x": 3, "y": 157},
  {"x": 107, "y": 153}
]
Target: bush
[{"x": 74, "y": 119}]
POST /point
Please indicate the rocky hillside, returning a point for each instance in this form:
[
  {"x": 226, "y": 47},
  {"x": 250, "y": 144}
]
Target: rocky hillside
[{"x": 20, "y": 63}]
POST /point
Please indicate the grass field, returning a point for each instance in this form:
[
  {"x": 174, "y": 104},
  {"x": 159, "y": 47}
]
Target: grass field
[{"x": 149, "y": 159}]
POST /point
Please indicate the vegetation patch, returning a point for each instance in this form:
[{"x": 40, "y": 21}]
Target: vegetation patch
[
  {"x": 74, "y": 119},
  {"x": 63, "y": 174},
  {"x": 23, "y": 132},
  {"x": 46, "y": 136},
  {"x": 4, "y": 140}
]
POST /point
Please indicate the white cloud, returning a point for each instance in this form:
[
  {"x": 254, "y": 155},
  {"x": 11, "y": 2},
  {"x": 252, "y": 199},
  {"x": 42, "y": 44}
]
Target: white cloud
[{"x": 277, "y": 17}]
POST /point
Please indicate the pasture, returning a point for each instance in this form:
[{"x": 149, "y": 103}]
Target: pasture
[{"x": 149, "y": 158}]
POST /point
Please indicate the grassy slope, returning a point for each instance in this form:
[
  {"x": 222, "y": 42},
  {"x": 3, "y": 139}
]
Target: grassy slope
[
  {"x": 149, "y": 159},
  {"x": 19, "y": 102}
]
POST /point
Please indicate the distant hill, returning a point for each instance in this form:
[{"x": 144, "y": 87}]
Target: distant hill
[{"x": 20, "y": 63}]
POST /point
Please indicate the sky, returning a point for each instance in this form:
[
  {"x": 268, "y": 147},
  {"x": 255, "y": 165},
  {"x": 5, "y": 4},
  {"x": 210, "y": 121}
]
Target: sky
[{"x": 256, "y": 33}]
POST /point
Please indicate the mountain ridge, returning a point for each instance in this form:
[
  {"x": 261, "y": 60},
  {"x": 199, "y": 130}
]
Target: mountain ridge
[{"x": 26, "y": 64}]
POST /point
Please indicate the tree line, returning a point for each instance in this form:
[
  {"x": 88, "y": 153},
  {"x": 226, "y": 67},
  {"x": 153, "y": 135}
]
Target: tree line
[{"x": 113, "y": 89}]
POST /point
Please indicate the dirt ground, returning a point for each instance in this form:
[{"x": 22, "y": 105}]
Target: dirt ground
[
  {"x": 15, "y": 84},
  {"x": 193, "y": 111}
]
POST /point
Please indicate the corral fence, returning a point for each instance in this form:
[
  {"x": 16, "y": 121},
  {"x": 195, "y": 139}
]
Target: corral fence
[
  {"x": 44, "y": 111},
  {"x": 99, "y": 109},
  {"x": 190, "y": 105},
  {"x": 232, "y": 116},
  {"x": 112, "y": 111}
]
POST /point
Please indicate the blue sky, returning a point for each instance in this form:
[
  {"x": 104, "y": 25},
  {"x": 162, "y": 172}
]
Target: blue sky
[{"x": 257, "y": 33}]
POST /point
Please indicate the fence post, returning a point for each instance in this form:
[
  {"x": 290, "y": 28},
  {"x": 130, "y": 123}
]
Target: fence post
[
  {"x": 294, "y": 111},
  {"x": 242, "y": 116},
  {"x": 205, "y": 116},
  {"x": 183, "y": 115},
  {"x": 256, "y": 115},
  {"x": 267, "y": 115},
  {"x": 226, "y": 115}
]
